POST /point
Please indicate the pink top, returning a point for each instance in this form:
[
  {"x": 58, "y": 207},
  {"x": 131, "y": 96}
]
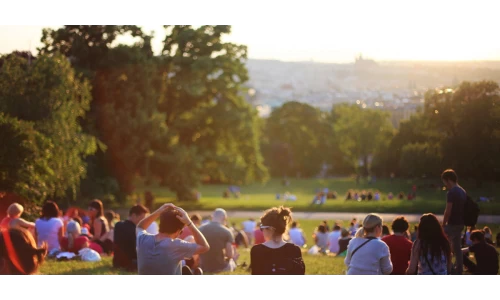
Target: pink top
[
  {"x": 259, "y": 236},
  {"x": 185, "y": 233}
]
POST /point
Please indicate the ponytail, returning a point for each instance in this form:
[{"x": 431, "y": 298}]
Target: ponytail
[{"x": 360, "y": 233}]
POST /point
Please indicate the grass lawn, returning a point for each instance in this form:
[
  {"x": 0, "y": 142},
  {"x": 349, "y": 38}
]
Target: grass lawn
[
  {"x": 324, "y": 265},
  {"x": 262, "y": 196}
]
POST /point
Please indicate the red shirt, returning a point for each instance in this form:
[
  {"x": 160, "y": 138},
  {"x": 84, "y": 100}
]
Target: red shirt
[
  {"x": 77, "y": 244},
  {"x": 5, "y": 222},
  {"x": 259, "y": 237},
  {"x": 400, "y": 249}
]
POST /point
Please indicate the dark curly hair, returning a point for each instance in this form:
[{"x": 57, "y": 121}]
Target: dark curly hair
[{"x": 277, "y": 217}]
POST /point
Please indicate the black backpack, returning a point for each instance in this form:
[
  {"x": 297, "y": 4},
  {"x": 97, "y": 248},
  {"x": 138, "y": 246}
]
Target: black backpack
[{"x": 471, "y": 212}]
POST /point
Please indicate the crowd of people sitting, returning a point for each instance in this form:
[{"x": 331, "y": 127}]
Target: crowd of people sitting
[
  {"x": 376, "y": 195},
  {"x": 182, "y": 245},
  {"x": 189, "y": 245}
]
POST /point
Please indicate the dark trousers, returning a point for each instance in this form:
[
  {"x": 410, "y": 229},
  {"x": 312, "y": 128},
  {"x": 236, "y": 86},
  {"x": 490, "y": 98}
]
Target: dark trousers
[
  {"x": 187, "y": 271},
  {"x": 472, "y": 267}
]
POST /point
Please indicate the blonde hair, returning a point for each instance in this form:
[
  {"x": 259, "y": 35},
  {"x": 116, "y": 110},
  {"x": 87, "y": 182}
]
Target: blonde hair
[
  {"x": 73, "y": 228},
  {"x": 15, "y": 210},
  {"x": 369, "y": 223}
]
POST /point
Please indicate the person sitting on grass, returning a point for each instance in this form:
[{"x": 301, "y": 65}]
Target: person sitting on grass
[
  {"x": 431, "y": 252},
  {"x": 49, "y": 228},
  {"x": 486, "y": 255},
  {"x": 488, "y": 236},
  {"x": 275, "y": 256},
  {"x": 297, "y": 235},
  {"x": 196, "y": 219},
  {"x": 74, "y": 242},
  {"x": 162, "y": 254},
  {"x": 220, "y": 257},
  {"x": 343, "y": 242},
  {"x": 366, "y": 253},
  {"x": 19, "y": 254},
  {"x": 399, "y": 246},
  {"x": 385, "y": 231},
  {"x": 124, "y": 239},
  {"x": 414, "y": 233},
  {"x": 333, "y": 239},
  {"x": 321, "y": 238},
  {"x": 14, "y": 220}
]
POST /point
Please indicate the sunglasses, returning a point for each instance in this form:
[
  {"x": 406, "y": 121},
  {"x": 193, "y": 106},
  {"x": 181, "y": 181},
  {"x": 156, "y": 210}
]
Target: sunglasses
[{"x": 262, "y": 227}]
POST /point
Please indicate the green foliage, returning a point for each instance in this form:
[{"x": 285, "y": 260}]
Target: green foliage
[
  {"x": 24, "y": 163},
  {"x": 361, "y": 133},
  {"x": 296, "y": 140},
  {"x": 160, "y": 117},
  {"x": 205, "y": 112},
  {"x": 57, "y": 99},
  {"x": 421, "y": 160}
]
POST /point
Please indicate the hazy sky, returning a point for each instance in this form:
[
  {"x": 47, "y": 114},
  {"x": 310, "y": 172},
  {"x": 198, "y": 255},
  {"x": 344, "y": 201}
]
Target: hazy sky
[{"x": 415, "y": 34}]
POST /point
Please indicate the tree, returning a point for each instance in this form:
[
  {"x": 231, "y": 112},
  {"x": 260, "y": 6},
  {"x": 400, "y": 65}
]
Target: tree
[
  {"x": 468, "y": 122},
  {"x": 297, "y": 136},
  {"x": 361, "y": 133},
  {"x": 24, "y": 164},
  {"x": 205, "y": 112},
  {"x": 57, "y": 99},
  {"x": 421, "y": 159},
  {"x": 89, "y": 48}
]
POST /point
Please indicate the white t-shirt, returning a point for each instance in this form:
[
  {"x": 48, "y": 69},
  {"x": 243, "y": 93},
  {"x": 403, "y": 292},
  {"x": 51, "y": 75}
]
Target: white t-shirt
[
  {"x": 296, "y": 236},
  {"x": 249, "y": 226},
  {"x": 153, "y": 228},
  {"x": 333, "y": 241},
  {"x": 48, "y": 231},
  {"x": 373, "y": 258}
]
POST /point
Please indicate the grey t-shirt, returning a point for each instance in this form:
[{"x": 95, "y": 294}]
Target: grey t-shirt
[
  {"x": 457, "y": 196},
  {"x": 217, "y": 237},
  {"x": 161, "y": 257}
]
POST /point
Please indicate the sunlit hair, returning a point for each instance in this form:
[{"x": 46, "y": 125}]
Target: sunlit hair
[
  {"x": 97, "y": 205},
  {"x": 15, "y": 210},
  {"x": 73, "y": 229},
  {"x": 278, "y": 218},
  {"x": 432, "y": 238},
  {"x": 369, "y": 224}
]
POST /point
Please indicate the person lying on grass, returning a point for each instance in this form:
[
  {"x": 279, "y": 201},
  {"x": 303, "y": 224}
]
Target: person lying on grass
[{"x": 162, "y": 254}]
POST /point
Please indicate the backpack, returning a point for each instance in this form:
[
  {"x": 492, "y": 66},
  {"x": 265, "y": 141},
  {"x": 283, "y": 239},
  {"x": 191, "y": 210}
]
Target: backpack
[{"x": 471, "y": 212}]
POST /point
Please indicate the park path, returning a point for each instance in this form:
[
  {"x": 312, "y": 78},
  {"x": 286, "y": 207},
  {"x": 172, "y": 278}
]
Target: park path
[{"x": 343, "y": 216}]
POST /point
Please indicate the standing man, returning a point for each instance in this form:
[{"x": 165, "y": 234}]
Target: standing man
[
  {"x": 221, "y": 240},
  {"x": 453, "y": 220}
]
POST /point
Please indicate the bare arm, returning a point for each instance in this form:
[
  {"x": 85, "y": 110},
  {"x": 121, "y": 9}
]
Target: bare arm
[
  {"x": 144, "y": 223},
  {"x": 199, "y": 238},
  {"x": 24, "y": 224},
  {"x": 412, "y": 268},
  {"x": 97, "y": 228},
  {"x": 60, "y": 234},
  {"x": 229, "y": 250},
  {"x": 447, "y": 213}
]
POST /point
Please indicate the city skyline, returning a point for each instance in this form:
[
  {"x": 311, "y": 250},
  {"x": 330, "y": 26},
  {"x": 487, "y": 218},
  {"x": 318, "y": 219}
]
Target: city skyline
[{"x": 381, "y": 41}]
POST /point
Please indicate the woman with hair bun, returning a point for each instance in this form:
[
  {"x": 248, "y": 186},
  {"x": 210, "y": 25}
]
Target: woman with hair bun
[
  {"x": 275, "y": 256},
  {"x": 366, "y": 253}
]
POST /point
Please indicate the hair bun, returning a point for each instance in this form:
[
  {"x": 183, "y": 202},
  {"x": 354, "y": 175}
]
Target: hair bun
[{"x": 284, "y": 212}]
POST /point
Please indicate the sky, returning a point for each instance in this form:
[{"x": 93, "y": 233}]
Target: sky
[{"x": 428, "y": 33}]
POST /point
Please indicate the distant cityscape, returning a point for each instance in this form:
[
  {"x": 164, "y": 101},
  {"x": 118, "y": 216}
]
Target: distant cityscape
[{"x": 398, "y": 87}]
